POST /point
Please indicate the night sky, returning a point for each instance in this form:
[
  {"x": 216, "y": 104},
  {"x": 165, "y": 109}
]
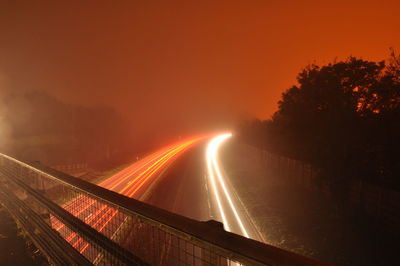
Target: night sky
[{"x": 183, "y": 64}]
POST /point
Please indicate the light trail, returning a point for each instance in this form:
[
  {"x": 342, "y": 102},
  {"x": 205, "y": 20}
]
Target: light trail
[
  {"x": 153, "y": 169},
  {"x": 219, "y": 188},
  {"x": 158, "y": 167},
  {"x": 117, "y": 179},
  {"x": 129, "y": 182}
]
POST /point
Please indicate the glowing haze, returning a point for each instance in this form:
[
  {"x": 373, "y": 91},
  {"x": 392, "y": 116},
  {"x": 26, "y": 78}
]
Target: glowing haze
[{"x": 175, "y": 66}]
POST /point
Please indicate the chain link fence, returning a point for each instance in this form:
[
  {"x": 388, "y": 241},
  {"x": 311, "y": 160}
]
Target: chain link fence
[{"x": 105, "y": 228}]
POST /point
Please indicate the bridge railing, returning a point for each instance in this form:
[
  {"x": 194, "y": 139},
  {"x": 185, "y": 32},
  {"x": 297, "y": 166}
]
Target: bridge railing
[{"x": 103, "y": 227}]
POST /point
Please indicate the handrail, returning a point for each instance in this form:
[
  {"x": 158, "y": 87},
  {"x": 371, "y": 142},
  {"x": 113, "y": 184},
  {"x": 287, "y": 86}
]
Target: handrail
[
  {"x": 202, "y": 234},
  {"x": 77, "y": 224}
]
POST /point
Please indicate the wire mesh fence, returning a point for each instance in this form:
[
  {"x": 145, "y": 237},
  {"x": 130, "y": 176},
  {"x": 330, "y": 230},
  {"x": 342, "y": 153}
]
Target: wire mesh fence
[{"x": 109, "y": 229}]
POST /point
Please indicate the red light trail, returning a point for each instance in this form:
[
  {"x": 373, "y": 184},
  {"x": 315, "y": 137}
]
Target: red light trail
[{"x": 132, "y": 182}]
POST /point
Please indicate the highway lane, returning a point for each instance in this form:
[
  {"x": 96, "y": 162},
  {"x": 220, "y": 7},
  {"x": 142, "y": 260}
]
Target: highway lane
[
  {"x": 130, "y": 180},
  {"x": 186, "y": 189},
  {"x": 182, "y": 189},
  {"x": 226, "y": 205},
  {"x": 196, "y": 186},
  {"x": 191, "y": 186},
  {"x": 133, "y": 182}
]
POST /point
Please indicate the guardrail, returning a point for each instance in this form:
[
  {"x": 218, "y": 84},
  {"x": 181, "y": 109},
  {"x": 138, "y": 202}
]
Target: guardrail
[{"x": 102, "y": 227}]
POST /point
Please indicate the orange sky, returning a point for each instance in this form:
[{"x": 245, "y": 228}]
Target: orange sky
[{"x": 180, "y": 63}]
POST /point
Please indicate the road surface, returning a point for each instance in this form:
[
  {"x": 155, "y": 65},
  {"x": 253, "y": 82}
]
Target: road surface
[
  {"x": 186, "y": 178},
  {"x": 197, "y": 187},
  {"x": 134, "y": 181}
]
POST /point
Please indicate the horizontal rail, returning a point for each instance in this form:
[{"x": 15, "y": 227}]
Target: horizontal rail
[
  {"x": 204, "y": 238},
  {"x": 76, "y": 224},
  {"x": 51, "y": 244}
]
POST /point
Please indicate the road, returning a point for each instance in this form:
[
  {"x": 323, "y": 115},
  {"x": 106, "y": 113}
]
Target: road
[
  {"x": 134, "y": 181},
  {"x": 186, "y": 178},
  {"x": 257, "y": 201},
  {"x": 196, "y": 186},
  {"x": 226, "y": 206}
]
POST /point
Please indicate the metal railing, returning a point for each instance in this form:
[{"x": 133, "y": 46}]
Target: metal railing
[{"x": 102, "y": 227}]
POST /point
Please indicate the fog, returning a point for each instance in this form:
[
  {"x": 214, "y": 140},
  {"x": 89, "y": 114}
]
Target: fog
[
  {"x": 38, "y": 126},
  {"x": 172, "y": 69}
]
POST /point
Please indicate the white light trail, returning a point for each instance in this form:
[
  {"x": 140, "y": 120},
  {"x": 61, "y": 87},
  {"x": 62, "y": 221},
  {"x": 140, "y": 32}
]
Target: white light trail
[{"x": 214, "y": 174}]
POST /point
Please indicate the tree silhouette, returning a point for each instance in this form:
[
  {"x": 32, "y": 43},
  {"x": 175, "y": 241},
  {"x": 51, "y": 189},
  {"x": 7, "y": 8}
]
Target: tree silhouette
[
  {"x": 47, "y": 129},
  {"x": 342, "y": 117}
]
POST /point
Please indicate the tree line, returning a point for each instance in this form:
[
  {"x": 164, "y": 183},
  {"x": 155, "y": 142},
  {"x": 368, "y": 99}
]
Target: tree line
[
  {"x": 37, "y": 126},
  {"x": 343, "y": 118}
]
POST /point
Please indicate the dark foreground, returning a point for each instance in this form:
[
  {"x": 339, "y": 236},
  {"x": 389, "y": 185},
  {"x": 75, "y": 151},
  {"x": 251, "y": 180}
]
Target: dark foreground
[{"x": 14, "y": 248}]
